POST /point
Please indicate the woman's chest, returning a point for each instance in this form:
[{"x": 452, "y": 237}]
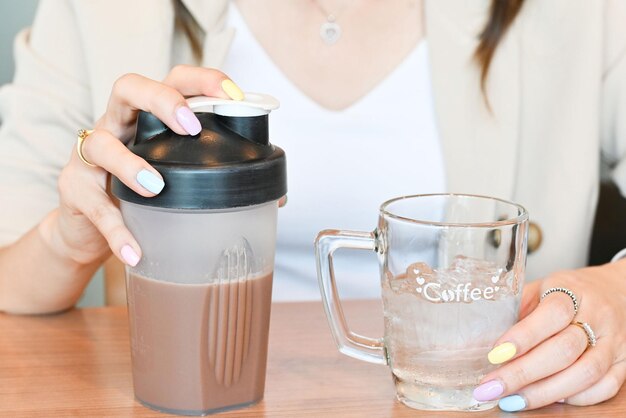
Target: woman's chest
[{"x": 375, "y": 38}]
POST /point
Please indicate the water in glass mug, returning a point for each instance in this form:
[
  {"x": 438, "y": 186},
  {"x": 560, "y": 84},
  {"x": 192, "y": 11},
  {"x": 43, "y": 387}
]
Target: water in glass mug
[{"x": 440, "y": 325}]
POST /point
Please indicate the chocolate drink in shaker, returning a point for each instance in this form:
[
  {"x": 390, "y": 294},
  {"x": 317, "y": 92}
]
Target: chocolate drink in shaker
[{"x": 224, "y": 364}]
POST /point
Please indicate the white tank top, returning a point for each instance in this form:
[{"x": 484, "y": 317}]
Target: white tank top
[{"x": 341, "y": 165}]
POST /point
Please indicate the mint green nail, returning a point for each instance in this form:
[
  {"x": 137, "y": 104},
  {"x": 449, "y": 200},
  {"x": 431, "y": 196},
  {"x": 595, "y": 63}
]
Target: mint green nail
[
  {"x": 150, "y": 182},
  {"x": 512, "y": 403}
]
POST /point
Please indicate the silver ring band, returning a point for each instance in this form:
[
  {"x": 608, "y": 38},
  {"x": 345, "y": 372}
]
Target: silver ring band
[
  {"x": 591, "y": 336},
  {"x": 564, "y": 290}
]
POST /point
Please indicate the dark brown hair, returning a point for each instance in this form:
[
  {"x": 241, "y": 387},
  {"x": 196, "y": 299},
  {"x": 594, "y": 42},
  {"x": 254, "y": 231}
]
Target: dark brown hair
[{"x": 501, "y": 15}]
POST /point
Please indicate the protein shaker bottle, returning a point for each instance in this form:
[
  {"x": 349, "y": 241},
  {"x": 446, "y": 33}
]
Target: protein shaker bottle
[{"x": 199, "y": 299}]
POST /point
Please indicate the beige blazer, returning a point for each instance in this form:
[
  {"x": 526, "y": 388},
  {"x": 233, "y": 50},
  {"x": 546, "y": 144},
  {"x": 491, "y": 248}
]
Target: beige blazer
[{"x": 557, "y": 88}]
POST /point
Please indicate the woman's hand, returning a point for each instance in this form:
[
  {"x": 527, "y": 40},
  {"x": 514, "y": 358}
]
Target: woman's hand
[
  {"x": 549, "y": 359},
  {"x": 87, "y": 222}
]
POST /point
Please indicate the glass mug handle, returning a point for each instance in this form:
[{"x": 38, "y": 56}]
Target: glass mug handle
[{"x": 354, "y": 345}]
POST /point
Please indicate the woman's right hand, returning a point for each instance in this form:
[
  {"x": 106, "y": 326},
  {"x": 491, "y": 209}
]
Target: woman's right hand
[{"x": 87, "y": 223}]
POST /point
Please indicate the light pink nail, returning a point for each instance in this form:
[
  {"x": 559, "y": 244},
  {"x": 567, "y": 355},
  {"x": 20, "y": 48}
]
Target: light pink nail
[
  {"x": 488, "y": 391},
  {"x": 129, "y": 255},
  {"x": 561, "y": 401},
  {"x": 188, "y": 120}
]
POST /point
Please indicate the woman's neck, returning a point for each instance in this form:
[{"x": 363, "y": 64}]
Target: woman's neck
[{"x": 375, "y": 37}]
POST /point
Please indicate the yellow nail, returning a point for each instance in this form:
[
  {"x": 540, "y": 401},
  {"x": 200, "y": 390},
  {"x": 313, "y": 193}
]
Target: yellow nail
[
  {"x": 501, "y": 353},
  {"x": 232, "y": 90}
]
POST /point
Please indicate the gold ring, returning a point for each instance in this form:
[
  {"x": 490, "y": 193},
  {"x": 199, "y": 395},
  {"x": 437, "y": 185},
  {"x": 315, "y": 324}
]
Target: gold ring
[{"x": 82, "y": 135}]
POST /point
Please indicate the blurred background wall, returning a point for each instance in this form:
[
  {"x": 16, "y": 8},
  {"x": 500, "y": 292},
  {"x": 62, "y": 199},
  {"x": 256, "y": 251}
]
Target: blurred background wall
[{"x": 14, "y": 16}]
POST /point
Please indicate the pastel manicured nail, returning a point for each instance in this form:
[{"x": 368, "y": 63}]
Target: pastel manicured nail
[
  {"x": 232, "y": 90},
  {"x": 150, "y": 182},
  {"x": 129, "y": 255},
  {"x": 561, "y": 401},
  {"x": 188, "y": 120},
  {"x": 512, "y": 403},
  {"x": 488, "y": 391},
  {"x": 501, "y": 353}
]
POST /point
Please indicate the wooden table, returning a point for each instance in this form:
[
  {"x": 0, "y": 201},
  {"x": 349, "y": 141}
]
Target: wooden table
[{"x": 78, "y": 364}]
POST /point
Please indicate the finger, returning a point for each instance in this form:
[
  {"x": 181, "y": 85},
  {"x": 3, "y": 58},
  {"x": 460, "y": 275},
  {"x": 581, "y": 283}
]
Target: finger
[
  {"x": 548, "y": 358},
  {"x": 550, "y": 316},
  {"x": 584, "y": 373},
  {"x": 108, "y": 220},
  {"x": 283, "y": 201},
  {"x": 193, "y": 81},
  {"x": 530, "y": 298},
  {"x": 605, "y": 389},
  {"x": 133, "y": 92},
  {"x": 104, "y": 150}
]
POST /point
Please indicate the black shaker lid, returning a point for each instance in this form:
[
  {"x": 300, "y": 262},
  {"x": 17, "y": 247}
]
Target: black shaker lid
[{"x": 229, "y": 164}]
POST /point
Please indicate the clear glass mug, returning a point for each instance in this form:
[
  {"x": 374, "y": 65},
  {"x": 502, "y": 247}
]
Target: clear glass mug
[{"x": 452, "y": 271}]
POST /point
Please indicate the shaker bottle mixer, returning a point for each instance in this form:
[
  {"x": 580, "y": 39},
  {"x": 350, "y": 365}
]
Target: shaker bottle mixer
[{"x": 199, "y": 299}]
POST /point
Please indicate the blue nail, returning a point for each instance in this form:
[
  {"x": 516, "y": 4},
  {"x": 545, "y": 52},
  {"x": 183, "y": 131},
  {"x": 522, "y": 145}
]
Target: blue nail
[
  {"x": 512, "y": 403},
  {"x": 150, "y": 182}
]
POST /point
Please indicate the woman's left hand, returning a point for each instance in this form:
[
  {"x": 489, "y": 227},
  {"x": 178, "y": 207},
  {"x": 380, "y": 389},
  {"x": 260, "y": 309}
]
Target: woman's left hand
[{"x": 549, "y": 359}]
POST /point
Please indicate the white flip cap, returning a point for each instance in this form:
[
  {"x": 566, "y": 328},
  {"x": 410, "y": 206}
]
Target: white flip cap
[{"x": 254, "y": 104}]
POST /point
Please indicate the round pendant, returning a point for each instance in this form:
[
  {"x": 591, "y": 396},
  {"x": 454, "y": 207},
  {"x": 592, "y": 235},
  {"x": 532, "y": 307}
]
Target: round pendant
[{"x": 330, "y": 32}]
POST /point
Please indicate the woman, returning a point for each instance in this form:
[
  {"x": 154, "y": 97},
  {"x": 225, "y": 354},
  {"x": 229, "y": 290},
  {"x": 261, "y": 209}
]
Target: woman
[{"x": 524, "y": 97}]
